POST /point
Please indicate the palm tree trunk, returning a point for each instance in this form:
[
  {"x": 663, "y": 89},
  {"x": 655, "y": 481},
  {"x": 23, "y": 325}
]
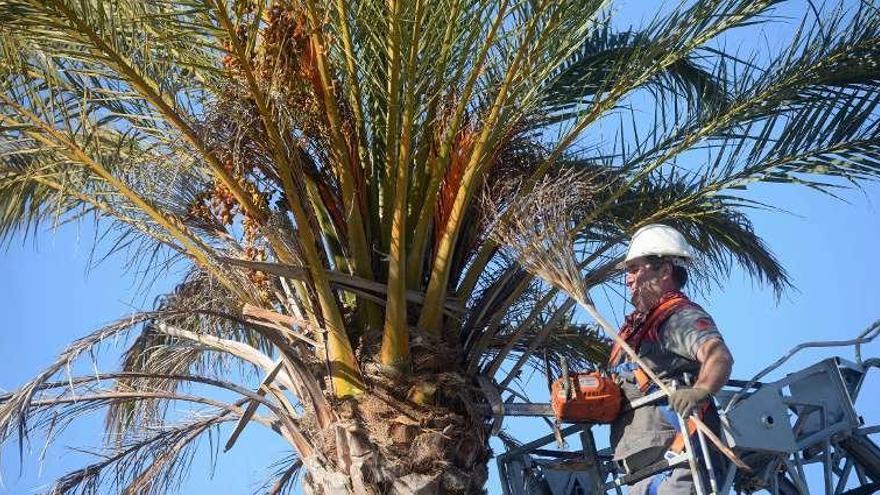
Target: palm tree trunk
[{"x": 428, "y": 442}]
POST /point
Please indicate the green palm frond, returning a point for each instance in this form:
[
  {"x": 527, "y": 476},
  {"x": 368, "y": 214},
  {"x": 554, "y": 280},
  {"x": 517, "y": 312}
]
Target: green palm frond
[
  {"x": 713, "y": 223},
  {"x": 587, "y": 74},
  {"x": 790, "y": 119},
  {"x": 30, "y": 195},
  {"x": 166, "y": 48}
]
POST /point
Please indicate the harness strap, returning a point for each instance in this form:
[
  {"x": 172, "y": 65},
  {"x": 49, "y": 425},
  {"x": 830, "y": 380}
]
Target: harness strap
[
  {"x": 629, "y": 370},
  {"x": 634, "y": 332},
  {"x": 642, "y": 379},
  {"x": 677, "y": 445}
]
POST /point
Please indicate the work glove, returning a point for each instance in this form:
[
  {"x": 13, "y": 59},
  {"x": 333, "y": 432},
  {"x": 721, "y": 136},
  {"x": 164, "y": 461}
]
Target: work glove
[{"x": 685, "y": 400}]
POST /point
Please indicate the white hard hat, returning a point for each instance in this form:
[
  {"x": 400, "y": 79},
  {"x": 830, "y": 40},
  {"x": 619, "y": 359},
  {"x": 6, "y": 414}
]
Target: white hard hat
[{"x": 658, "y": 240}]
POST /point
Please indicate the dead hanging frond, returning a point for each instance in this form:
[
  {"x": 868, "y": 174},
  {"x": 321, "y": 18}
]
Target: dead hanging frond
[
  {"x": 155, "y": 464},
  {"x": 283, "y": 479},
  {"x": 154, "y": 461},
  {"x": 15, "y": 411},
  {"x": 201, "y": 306},
  {"x": 540, "y": 227},
  {"x": 155, "y": 458}
]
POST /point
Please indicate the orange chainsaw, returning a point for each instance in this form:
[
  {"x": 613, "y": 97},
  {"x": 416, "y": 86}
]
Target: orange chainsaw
[{"x": 585, "y": 397}]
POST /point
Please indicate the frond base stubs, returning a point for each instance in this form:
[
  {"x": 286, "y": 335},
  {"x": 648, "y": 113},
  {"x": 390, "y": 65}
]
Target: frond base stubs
[{"x": 412, "y": 433}]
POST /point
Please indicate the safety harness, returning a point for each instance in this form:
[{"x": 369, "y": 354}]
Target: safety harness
[{"x": 640, "y": 327}]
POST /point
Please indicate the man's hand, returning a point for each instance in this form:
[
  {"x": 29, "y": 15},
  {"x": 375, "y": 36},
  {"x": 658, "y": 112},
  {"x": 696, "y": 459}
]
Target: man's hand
[{"x": 685, "y": 400}]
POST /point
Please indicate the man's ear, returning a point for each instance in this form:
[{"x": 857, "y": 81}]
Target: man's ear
[{"x": 666, "y": 270}]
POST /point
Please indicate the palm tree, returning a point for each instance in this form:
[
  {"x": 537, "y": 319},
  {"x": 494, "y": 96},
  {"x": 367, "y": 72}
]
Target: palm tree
[{"x": 330, "y": 173}]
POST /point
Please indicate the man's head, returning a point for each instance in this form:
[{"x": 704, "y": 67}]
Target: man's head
[{"x": 655, "y": 264}]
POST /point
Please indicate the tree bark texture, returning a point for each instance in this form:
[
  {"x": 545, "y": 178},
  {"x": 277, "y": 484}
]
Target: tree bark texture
[{"x": 413, "y": 435}]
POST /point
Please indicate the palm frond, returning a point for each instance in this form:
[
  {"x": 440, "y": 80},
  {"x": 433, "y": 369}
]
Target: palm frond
[
  {"x": 152, "y": 457},
  {"x": 582, "y": 346},
  {"x": 713, "y": 223},
  {"x": 14, "y": 412},
  {"x": 283, "y": 481},
  {"x": 29, "y": 197},
  {"x": 197, "y": 305},
  {"x": 586, "y": 74},
  {"x": 157, "y": 464},
  {"x": 314, "y": 164},
  {"x": 789, "y": 120}
]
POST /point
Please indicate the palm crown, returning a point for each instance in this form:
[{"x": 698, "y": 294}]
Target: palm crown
[{"x": 332, "y": 174}]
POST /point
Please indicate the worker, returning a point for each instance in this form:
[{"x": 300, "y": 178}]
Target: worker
[{"x": 681, "y": 344}]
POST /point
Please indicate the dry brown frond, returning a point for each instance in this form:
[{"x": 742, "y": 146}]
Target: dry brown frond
[
  {"x": 540, "y": 227},
  {"x": 15, "y": 411}
]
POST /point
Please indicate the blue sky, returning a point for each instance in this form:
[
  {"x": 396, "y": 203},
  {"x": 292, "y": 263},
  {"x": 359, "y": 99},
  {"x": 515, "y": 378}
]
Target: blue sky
[{"x": 50, "y": 296}]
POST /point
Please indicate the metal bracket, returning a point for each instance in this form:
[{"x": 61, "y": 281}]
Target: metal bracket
[{"x": 492, "y": 395}]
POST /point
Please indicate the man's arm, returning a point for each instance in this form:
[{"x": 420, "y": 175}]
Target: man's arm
[{"x": 715, "y": 365}]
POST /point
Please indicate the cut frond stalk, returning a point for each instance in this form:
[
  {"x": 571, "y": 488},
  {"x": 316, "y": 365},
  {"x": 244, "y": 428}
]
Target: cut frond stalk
[{"x": 109, "y": 211}]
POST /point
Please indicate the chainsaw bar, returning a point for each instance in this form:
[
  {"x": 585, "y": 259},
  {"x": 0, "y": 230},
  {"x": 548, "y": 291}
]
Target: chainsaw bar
[
  {"x": 518, "y": 409},
  {"x": 545, "y": 410}
]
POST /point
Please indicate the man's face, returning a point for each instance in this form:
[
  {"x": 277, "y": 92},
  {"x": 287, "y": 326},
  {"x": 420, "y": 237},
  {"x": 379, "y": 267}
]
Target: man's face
[{"x": 645, "y": 284}]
